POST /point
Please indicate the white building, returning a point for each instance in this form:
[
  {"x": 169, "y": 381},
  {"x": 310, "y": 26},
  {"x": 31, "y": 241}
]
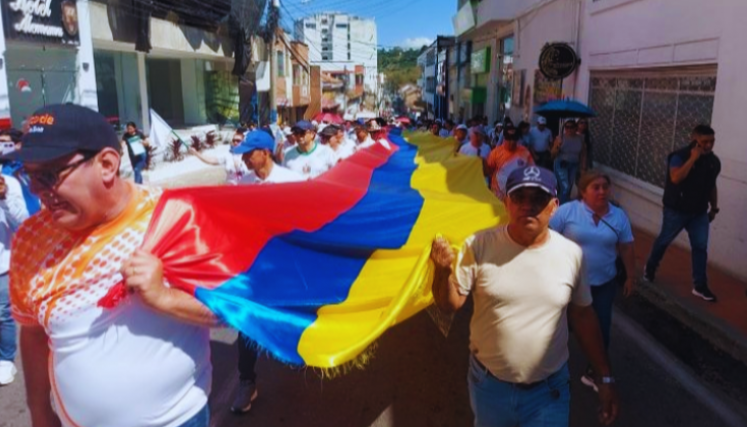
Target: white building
[
  {"x": 338, "y": 42},
  {"x": 427, "y": 83},
  {"x": 652, "y": 71}
]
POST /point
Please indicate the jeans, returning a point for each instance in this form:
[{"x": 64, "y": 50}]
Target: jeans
[
  {"x": 138, "y": 165},
  {"x": 201, "y": 419},
  {"x": 8, "y": 342},
  {"x": 603, "y": 298},
  {"x": 697, "y": 226},
  {"x": 247, "y": 359},
  {"x": 497, "y": 403},
  {"x": 566, "y": 173}
]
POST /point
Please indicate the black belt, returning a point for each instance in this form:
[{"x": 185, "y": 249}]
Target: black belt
[{"x": 522, "y": 386}]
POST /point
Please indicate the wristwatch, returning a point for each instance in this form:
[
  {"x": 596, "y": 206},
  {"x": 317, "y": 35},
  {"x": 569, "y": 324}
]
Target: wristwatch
[{"x": 606, "y": 380}]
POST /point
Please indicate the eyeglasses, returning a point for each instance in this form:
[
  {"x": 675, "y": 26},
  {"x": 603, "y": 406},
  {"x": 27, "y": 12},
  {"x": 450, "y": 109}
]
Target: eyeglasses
[
  {"x": 51, "y": 178},
  {"x": 533, "y": 198}
]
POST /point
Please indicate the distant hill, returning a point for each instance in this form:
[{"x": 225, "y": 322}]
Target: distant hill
[{"x": 400, "y": 66}]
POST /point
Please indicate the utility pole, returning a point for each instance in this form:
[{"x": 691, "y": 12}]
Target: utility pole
[{"x": 274, "y": 71}]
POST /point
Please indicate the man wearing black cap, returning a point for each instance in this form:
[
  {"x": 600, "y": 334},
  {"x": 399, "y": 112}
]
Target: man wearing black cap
[
  {"x": 145, "y": 362},
  {"x": 525, "y": 280}
]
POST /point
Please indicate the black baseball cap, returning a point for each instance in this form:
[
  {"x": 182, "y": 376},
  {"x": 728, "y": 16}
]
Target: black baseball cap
[{"x": 60, "y": 130}]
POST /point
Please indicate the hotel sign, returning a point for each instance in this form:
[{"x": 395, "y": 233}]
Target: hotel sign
[
  {"x": 480, "y": 62},
  {"x": 45, "y": 21}
]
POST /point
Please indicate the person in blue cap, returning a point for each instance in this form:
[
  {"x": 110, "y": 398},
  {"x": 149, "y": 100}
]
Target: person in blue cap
[
  {"x": 256, "y": 152},
  {"x": 15, "y": 169},
  {"x": 527, "y": 287}
]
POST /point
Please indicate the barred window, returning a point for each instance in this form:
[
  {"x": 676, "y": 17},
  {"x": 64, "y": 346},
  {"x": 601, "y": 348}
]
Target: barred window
[{"x": 643, "y": 116}]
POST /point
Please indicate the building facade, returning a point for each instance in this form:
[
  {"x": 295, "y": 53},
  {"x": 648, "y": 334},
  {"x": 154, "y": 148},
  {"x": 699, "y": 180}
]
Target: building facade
[
  {"x": 649, "y": 68},
  {"x": 339, "y": 43}
]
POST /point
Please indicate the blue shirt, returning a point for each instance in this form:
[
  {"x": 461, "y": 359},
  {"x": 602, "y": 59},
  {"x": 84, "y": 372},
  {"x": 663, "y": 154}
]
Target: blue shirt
[{"x": 598, "y": 242}]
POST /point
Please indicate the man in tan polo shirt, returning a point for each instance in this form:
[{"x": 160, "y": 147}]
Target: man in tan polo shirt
[{"x": 524, "y": 278}]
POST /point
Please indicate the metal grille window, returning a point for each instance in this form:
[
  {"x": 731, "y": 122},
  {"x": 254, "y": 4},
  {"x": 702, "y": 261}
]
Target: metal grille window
[{"x": 644, "y": 116}]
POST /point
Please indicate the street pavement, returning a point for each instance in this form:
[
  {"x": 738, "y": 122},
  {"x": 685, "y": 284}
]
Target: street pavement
[{"x": 418, "y": 378}]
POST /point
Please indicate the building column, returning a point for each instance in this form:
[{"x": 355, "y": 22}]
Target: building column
[
  {"x": 85, "y": 63},
  {"x": 143, "y": 86}
]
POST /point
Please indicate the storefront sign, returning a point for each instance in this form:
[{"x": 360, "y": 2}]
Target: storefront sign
[
  {"x": 481, "y": 61},
  {"x": 47, "y": 21},
  {"x": 558, "y": 61}
]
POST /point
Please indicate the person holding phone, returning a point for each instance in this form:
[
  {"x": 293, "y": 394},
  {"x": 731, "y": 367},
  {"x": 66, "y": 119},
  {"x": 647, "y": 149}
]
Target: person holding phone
[
  {"x": 137, "y": 144},
  {"x": 689, "y": 191}
]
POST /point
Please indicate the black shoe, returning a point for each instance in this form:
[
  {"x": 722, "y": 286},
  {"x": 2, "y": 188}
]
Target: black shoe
[
  {"x": 648, "y": 277},
  {"x": 704, "y": 293}
]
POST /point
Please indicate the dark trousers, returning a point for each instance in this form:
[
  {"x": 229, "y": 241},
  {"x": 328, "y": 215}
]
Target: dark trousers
[
  {"x": 603, "y": 299},
  {"x": 697, "y": 226},
  {"x": 247, "y": 359},
  {"x": 543, "y": 160}
]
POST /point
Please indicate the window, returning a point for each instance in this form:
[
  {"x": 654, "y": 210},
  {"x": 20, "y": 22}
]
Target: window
[
  {"x": 325, "y": 39},
  {"x": 325, "y": 31},
  {"x": 326, "y": 57},
  {"x": 311, "y": 25},
  {"x": 341, "y": 25},
  {"x": 349, "y": 56},
  {"x": 297, "y": 75},
  {"x": 642, "y": 117},
  {"x": 325, "y": 48},
  {"x": 324, "y": 21},
  {"x": 281, "y": 63}
]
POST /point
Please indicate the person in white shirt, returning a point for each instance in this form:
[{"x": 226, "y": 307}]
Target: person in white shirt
[
  {"x": 460, "y": 134},
  {"x": 256, "y": 153},
  {"x": 334, "y": 137},
  {"x": 12, "y": 213},
  {"x": 446, "y": 131},
  {"x": 234, "y": 167},
  {"x": 527, "y": 287},
  {"x": 476, "y": 146},
  {"x": 143, "y": 362},
  {"x": 309, "y": 158}
]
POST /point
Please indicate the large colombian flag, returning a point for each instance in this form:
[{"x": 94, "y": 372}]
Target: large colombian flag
[{"x": 315, "y": 272}]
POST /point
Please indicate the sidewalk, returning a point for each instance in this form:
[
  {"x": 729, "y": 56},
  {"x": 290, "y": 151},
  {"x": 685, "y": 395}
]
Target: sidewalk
[{"x": 723, "y": 324}]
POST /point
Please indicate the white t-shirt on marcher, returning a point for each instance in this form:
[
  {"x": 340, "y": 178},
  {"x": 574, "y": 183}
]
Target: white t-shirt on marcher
[
  {"x": 345, "y": 150},
  {"x": 13, "y": 212},
  {"x": 278, "y": 175},
  {"x": 470, "y": 150},
  {"x": 519, "y": 327},
  {"x": 312, "y": 164},
  {"x": 234, "y": 167}
]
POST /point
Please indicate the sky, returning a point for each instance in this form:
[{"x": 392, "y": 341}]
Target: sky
[{"x": 403, "y": 23}]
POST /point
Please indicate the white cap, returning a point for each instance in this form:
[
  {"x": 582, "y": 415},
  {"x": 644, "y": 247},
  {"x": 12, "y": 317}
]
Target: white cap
[
  {"x": 287, "y": 131},
  {"x": 541, "y": 120},
  {"x": 315, "y": 123},
  {"x": 462, "y": 127}
]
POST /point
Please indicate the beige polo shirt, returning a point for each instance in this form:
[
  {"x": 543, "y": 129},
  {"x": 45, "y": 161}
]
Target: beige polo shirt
[{"x": 519, "y": 327}]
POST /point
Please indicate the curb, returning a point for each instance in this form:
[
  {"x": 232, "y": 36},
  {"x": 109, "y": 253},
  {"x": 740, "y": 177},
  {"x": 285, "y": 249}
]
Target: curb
[{"x": 712, "y": 329}]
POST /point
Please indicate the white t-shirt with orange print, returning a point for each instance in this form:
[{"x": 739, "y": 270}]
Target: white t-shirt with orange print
[{"x": 126, "y": 366}]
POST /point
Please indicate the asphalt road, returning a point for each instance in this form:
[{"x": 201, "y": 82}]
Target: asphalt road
[{"x": 418, "y": 378}]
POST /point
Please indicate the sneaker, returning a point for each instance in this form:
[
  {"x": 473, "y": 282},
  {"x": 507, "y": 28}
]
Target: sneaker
[
  {"x": 7, "y": 372},
  {"x": 648, "y": 277},
  {"x": 589, "y": 382},
  {"x": 245, "y": 395},
  {"x": 705, "y": 294}
]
